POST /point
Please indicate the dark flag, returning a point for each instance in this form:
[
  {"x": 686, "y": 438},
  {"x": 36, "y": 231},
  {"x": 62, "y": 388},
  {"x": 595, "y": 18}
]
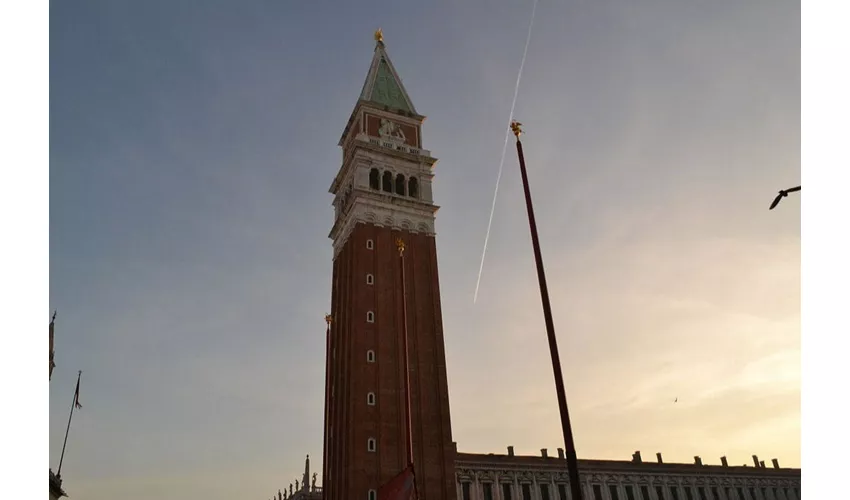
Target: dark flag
[
  {"x": 52, "y": 364},
  {"x": 401, "y": 487},
  {"x": 77, "y": 395}
]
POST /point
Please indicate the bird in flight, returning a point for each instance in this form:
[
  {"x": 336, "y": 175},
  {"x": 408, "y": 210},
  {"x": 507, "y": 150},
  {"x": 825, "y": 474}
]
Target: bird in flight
[
  {"x": 676, "y": 400},
  {"x": 782, "y": 194}
]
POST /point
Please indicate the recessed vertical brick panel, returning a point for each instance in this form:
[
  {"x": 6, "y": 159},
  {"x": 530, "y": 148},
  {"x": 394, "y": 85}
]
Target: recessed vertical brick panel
[{"x": 352, "y": 469}]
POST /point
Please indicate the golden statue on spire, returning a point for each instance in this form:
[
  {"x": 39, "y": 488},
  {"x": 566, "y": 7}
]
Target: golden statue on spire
[
  {"x": 379, "y": 35},
  {"x": 515, "y": 127}
]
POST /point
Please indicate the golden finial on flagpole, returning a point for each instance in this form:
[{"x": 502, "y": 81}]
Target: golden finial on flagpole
[
  {"x": 379, "y": 35},
  {"x": 515, "y": 127},
  {"x": 400, "y": 244}
]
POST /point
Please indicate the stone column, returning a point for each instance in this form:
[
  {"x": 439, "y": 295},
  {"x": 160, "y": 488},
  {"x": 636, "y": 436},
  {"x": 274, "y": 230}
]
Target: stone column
[
  {"x": 535, "y": 488},
  {"x": 517, "y": 489},
  {"x": 553, "y": 488}
]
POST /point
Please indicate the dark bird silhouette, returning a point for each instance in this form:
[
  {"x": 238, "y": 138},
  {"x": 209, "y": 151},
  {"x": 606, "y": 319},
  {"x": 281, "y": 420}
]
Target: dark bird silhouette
[
  {"x": 676, "y": 400},
  {"x": 782, "y": 194}
]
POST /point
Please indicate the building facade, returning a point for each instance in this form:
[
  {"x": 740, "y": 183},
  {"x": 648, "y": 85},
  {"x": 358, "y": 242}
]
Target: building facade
[
  {"x": 383, "y": 194},
  {"x": 512, "y": 477}
]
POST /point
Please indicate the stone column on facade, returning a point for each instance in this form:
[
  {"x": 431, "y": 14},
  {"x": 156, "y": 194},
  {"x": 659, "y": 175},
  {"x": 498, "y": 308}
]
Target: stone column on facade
[
  {"x": 621, "y": 489},
  {"x": 535, "y": 489},
  {"x": 477, "y": 494},
  {"x": 553, "y": 488},
  {"x": 500, "y": 495},
  {"x": 517, "y": 489}
]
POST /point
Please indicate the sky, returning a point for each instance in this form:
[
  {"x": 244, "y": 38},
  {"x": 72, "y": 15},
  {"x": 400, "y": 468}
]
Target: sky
[{"x": 192, "y": 146}]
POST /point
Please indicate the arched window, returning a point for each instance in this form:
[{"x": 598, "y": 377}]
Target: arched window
[
  {"x": 399, "y": 185},
  {"x": 370, "y": 317},
  {"x": 370, "y": 244},
  {"x": 371, "y": 445},
  {"x": 388, "y": 181},
  {"x": 373, "y": 495},
  {"x": 370, "y": 279},
  {"x": 375, "y": 179},
  {"x": 413, "y": 187},
  {"x": 370, "y": 399},
  {"x": 370, "y": 356}
]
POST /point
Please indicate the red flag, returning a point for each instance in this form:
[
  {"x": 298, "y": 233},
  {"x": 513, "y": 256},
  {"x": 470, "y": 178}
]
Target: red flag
[
  {"x": 77, "y": 394},
  {"x": 401, "y": 487}
]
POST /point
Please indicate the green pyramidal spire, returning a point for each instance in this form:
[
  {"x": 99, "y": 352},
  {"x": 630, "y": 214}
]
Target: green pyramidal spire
[{"x": 383, "y": 85}]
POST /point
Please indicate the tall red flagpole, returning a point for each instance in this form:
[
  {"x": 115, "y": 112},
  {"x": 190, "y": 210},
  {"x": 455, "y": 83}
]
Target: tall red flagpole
[
  {"x": 328, "y": 320},
  {"x": 403, "y": 485},
  {"x": 409, "y": 429},
  {"x": 569, "y": 444}
]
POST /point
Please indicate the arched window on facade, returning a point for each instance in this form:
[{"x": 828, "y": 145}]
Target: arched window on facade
[
  {"x": 399, "y": 185},
  {"x": 413, "y": 187},
  {"x": 375, "y": 179},
  {"x": 388, "y": 181}
]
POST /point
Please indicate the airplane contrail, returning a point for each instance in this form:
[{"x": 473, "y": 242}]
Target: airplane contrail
[{"x": 504, "y": 149}]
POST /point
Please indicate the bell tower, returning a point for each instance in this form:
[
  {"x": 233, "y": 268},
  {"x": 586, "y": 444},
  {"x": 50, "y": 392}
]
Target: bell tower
[{"x": 382, "y": 193}]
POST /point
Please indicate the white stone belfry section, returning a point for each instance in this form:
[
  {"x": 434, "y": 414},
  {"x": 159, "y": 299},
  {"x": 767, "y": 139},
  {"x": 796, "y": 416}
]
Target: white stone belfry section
[{"x": 356, "y": 199}]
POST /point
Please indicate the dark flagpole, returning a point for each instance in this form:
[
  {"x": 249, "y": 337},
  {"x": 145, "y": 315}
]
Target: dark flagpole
[
  {"x": 400, "y": 245},
  {"x": 328, "y": 320},
  {"x": 569, "y": 444},
  {"x": 74, "y": 404}
]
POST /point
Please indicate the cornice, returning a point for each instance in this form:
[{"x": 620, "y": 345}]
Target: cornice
[
  {"x": 395, "y": 217},
  {"x": 696, "y": 478}
]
